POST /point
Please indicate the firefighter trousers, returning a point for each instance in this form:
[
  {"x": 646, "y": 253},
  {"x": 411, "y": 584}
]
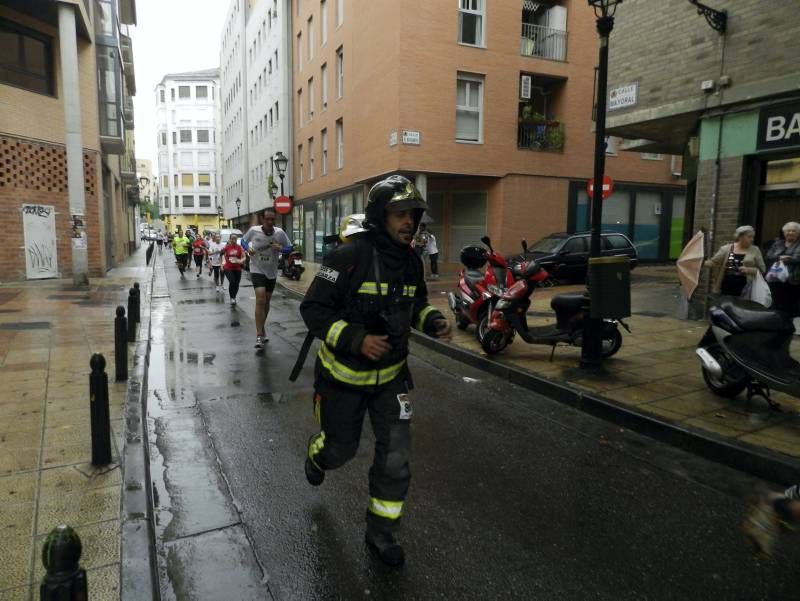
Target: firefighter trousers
[{"x": 340, "y": 412}]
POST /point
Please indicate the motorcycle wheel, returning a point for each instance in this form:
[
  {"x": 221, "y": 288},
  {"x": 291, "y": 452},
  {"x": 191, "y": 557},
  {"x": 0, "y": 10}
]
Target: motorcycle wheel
[
  {"x": 482, "y": 327},
  {"x": 727, "y": 386},
  {"x": 494, "y": 342},
  {"x": 612, "y": 341},
  {"x": 462, "y": 323}
]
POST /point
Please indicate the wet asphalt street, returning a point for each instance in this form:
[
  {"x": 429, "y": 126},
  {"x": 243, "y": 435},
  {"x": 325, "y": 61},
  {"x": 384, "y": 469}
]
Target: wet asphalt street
[{"x": 513, "y": 496}]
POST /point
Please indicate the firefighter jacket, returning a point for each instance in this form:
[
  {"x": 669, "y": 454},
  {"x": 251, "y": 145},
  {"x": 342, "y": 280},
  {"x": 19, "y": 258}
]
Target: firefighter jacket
[{"x": 346, "y": 301}]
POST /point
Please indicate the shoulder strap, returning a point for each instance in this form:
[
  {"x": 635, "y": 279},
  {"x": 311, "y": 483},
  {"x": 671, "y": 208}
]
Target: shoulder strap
[{"x": 376, "y": 264}]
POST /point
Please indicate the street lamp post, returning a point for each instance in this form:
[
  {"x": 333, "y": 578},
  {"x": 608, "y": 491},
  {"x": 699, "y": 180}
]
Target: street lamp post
[
  {"x": 281, "y": 162},
  {"x": 592, "y": 347},
  {"x": 238, "y": 214},
  {"x": 219, "y": 218}
]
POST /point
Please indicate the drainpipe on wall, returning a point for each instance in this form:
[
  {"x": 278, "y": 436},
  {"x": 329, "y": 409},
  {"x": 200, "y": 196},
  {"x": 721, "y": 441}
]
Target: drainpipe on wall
[{"x": 68, "y": 47}]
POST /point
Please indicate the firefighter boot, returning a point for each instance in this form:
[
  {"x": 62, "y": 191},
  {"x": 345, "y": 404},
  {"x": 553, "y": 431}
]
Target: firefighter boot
[
  {"x": 380, "y": 538},
  {"x": 314, "y": 474}
]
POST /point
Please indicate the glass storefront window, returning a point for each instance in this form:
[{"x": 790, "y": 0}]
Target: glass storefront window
[
  {"x": 785, "y": 171},
  {"x": 647, "y": 224}
]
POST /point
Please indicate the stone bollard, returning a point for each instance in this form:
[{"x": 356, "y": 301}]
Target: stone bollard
[
  {"x": 120, "y": 345},
  {"x": 138, "y": 293},
  {"x": 131, "y": 320},
  {"x": 98, "y": 411},
  {"x": 65, "y": 580}
]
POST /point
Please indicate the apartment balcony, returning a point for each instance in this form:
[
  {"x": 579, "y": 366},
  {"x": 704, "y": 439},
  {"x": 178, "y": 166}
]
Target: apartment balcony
[
  {"x": 545, "y": 42},
  {"x": 126, "y": 50},
  {"x": 540, "y": 134},
  {"x": 127, "y": 112},
  {"x": 127, "y": 169}
]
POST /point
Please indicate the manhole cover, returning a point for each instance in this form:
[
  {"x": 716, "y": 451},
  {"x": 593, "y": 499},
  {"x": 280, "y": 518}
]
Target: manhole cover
[{"x": 26, "y": 325}]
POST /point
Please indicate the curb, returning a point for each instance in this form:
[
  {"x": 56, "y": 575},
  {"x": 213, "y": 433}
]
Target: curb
[
  {"x": 753, "y": 460},
  {"x": 138, "y": 572}
]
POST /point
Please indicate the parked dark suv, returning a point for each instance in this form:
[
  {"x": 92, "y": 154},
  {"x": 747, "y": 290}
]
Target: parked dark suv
[{"x": 566, "y": 256}]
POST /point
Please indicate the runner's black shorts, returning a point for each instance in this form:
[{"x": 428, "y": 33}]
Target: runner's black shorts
[
  {"x": 262, "y": 281},
  {"x": 198, "y": 260}
]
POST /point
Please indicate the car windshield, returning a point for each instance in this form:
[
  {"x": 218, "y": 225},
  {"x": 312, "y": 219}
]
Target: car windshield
[{"x": 546, "y": 245}]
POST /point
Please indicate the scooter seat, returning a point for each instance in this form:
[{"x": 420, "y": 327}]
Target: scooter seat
[
  {"x": 571, "y": 302},
  {"x": 751, "y": 316}
]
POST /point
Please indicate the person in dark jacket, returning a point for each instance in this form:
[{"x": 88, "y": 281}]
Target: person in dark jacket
[
  {"x": 362, "y": 305},
  {"x": 786, "y": 295}
]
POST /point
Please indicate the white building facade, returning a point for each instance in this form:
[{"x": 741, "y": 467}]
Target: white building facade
[
  {"x": 188, "y": 111},
  {"x": 256, "y": 117}
]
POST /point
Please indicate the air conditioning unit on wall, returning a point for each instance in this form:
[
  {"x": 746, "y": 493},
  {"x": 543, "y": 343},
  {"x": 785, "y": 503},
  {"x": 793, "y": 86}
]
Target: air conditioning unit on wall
[{"x": 525, "y": 85}]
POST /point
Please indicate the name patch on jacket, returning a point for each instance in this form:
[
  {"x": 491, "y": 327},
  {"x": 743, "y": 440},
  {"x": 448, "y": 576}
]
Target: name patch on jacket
[{"x": 326, "y": 273}]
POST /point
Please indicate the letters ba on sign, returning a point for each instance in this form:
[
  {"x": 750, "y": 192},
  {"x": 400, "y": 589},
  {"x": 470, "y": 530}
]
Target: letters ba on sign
[
  {"x": 779, "y": 126},
  {"x": 623, "y": 96}
]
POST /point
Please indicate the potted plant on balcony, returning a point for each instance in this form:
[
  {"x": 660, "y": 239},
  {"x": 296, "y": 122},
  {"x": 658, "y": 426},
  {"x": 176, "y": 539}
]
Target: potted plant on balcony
[{"x": 555, "y": 135}]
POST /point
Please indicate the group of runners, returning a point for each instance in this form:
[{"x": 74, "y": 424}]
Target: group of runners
[{"x": 261, "y": 246}]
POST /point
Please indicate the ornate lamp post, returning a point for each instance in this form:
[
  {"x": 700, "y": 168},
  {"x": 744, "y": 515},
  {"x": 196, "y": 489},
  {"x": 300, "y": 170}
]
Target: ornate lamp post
[
  {"x": 281, "y": 162},
  {"x": 238, "y": 214},
  {"x": 219, "y": 217},
  {"x": 591, "y": 351}
]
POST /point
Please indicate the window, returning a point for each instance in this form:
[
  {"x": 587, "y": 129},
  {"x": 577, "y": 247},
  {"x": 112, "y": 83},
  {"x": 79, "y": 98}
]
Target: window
[
  {"x": 617, "y": 242},
  {"x": 187, "y": 180},
  {"x": 300, "y": 51},
  {"x": 188, "y": 201},
  {"x": 276, "y": 60},
  {"x": 177, "y": 204},
  {"x": 310, "y": 159},
  {"x": 323, "y": 75},
  {"x": 163, "y": 138},
  {"x": 172, "y": 93},
  {"x": 310, "y": 99},
  {"x": 161, "y": 97},
  {"x": 471, "y": 15},
  {"x": 269, "y": 66},
  {"x": 339, "y": 12},
  {"x": 323, "y": 22},
  {"x": 187, "y": 161},
  {"x": 339, "y": 72},
  {"x": 203, "y": 179},
  {"x": 324, "y": 142},
  {"x": 300, "y": 111},
  {"x": 184, "y": 91},
  {"x": 339, "y": 144},
  {"x": 271, "y": 123},
  {"x": 166, "y": 202},
  {"x": 204, "y": 201},
  {"x": 300, "y": 161},
  {"x": 186, "y": 136},
  {"x": 575, "y": 245},
  {"x": 164, "y": 181},
  {"x": 174, "y": 137},
  {"x": 26, "y": 58},
  {"x": 201, "y": 92},
  {"x": 276, "y": 112},
  {"x": 204, "y": 160},
  {"x": 202, "y": 135},
  {"x": 175, "y": 179},
  {"x": 310, "y": 34},
  {"x": 469, "y": 108}
]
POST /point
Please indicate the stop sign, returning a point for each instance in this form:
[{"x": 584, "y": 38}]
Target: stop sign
[
  {"x": 283, "y": 205},
  {"x": 608, "y": 187}
]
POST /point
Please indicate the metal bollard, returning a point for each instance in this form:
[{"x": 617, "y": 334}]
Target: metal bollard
[
  {"x": 149, "y": 253},
  {"x": 120, "y": 345},
  {"x": 131, "y": 320},
  {"x": 138, "y": 292},
  {"x": 65, "y": 580},
  {"x": 98, "y": 411}
]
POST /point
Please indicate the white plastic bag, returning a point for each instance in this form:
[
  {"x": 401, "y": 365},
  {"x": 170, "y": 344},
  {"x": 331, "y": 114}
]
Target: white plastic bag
[
  {"x": 778, "y": 272},
  {"x": 758, "y": 290}
]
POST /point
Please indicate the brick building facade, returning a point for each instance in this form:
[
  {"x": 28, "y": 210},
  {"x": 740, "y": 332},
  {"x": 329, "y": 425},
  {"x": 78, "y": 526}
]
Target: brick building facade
[{"x": 486, "y": 105}]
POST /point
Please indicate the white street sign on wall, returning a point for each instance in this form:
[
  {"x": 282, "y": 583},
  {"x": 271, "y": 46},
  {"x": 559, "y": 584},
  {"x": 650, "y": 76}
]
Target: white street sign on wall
[
  {"x": 39, "y": 227},
  {"x": 393, "y": 138},
  {"x": 623, "y": 96},
  {"x": 411, "y": 137}
]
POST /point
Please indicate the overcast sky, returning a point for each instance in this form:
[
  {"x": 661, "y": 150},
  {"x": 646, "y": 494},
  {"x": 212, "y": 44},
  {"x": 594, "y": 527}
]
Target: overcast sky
[{"x": 171, "y": 36}]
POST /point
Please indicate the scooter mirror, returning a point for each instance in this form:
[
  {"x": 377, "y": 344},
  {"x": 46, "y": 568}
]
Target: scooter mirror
[
  {"x": 486, "y": 241},
  {"x": 524, "y": 244}
]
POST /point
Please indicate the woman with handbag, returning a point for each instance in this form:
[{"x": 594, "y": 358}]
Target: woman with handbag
[
  {"x": 784, "y": 275},
  {"x": 736, "y": 264}
]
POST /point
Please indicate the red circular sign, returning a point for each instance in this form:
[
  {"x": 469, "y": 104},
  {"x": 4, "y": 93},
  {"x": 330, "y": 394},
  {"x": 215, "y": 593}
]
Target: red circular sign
[
  {"x": 608, "y": 187},
  {"x": 283, "y": 205}
]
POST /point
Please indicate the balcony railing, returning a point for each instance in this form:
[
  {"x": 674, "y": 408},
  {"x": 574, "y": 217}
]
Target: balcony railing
[
  {"x": 547, "y": 135},
  {"x": 543, "y": 42}
]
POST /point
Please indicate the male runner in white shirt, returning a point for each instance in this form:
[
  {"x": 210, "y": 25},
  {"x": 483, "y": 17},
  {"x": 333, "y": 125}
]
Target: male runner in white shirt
[{"x": 264, "y": 243}]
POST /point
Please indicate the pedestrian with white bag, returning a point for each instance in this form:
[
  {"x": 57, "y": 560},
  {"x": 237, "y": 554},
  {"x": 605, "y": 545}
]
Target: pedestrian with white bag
[
  {"x": 737, "y": 265},
  {"x": 783, "y": 276}
]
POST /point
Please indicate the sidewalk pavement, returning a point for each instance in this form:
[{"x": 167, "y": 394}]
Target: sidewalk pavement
[
  {"x": 48, "y": 332},
  {"x": 655, "y": 372}
]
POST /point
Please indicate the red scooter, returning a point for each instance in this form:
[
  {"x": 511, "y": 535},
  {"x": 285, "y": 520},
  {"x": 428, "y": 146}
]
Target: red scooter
[
  {"x": 470, "y": 303},
  {"x": 509, "y": 316}
]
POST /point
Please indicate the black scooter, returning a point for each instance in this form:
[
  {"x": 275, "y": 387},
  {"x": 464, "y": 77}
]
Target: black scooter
[{"x": 747, "y": 347}]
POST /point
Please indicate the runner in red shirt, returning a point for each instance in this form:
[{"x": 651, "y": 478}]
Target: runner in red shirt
[
  {"x": 234, "y": 257},
  {"x": 199, "y": 253}
]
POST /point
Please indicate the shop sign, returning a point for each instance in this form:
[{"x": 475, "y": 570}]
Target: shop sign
[
  {"x": 623, "y": 96},
  {"x": 393, "y": 138},
  {"x": 411, "y": 137},
  {"x": 779, "y": 126}
]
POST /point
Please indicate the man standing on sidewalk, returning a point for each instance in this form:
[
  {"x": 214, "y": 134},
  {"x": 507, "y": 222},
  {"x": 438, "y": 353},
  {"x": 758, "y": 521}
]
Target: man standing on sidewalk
[
  {"x": 362, "y": 305},
  {"x": 264, "y": 243}
]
